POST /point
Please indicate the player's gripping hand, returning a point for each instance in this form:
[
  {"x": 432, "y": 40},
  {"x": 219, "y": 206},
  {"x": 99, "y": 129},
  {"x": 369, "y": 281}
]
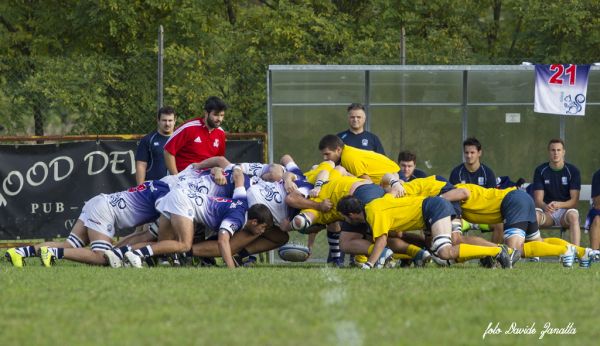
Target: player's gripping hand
[
  {"x": 218, "y": 176},
  {"x": 397, "y": 190},
  {"x": 290, "y": 186},
  {"x": 325, "y": 206}
]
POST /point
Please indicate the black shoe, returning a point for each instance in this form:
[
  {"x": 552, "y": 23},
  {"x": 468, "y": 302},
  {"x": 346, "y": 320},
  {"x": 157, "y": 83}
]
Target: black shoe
[
  {"x": 487, "y": 262},
  {"x": 515, "y": 256},
  {"x": 504, "y": 257},
  {"x": 208, "y": 262}
]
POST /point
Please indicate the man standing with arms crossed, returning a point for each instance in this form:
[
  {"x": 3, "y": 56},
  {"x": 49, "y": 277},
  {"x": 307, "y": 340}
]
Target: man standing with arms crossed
[
  {"x": 149, "y": 157},
  {"x": 197, "y": 139}
]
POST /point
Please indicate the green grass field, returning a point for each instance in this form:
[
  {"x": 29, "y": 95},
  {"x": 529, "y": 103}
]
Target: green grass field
[{"x": 295, "y": 305}]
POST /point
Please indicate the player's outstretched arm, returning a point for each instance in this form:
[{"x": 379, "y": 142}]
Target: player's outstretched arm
[
  {"x": 225, "y": 248},
  {"x": 216, "y": 161},
  {"x": 455, "y": 195},
  {"x": 380, "y": 244}
]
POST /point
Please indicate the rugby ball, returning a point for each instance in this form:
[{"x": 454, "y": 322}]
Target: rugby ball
[{"x": 294, "y": 252}]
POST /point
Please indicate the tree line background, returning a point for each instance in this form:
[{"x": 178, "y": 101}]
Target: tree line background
[{"x": 90, "y": 67}]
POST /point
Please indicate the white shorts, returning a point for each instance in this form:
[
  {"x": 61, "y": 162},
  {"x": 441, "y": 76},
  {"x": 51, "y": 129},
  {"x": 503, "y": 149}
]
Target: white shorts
[
  {"x": 177, "y": 202},
  {"x": 557, "y": 215},
  {"x": 98, "y": 216}
]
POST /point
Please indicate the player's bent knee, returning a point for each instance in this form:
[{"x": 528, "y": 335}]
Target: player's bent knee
[
  {"x": 572, "y": 214},
  {"x": 100, "y": 245},
  {"x": 301, "y": 223},
  {"x": 513, "y": 232},
  {"x": 534, "y": 236},
  {"x": 75, "y": 241},
  {"x": 441, "y": 246},
  {"x": 541, "y": 216}
]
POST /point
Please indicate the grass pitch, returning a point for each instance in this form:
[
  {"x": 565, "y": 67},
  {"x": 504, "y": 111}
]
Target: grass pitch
[{"x": 296, "y": 305}]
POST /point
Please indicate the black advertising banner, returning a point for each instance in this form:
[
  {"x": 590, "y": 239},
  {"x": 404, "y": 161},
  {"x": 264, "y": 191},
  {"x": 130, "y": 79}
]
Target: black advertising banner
[{"x": 43, "y": 187}]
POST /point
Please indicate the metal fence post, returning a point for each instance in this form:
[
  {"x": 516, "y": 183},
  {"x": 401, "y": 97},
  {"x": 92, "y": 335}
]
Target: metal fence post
[{"x": 160, "y": 66}]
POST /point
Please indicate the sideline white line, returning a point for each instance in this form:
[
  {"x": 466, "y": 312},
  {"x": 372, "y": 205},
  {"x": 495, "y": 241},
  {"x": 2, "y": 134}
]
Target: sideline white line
[{"x": 347, "y": 332}]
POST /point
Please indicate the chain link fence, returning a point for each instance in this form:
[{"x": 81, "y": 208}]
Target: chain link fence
[{"x": 77, "y": 95}]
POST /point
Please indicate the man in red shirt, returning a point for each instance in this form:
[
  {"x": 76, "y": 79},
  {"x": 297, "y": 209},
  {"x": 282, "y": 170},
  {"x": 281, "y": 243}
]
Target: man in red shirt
[{"x": 197, "y": 139}]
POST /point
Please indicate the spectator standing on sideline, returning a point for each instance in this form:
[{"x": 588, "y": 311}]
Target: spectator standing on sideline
[
  {"x": 149, "y": 157},
  {"x": 356, "y": 136},
  {"x": 197, "y": 139},
  {"x": 556, "y": 188}
]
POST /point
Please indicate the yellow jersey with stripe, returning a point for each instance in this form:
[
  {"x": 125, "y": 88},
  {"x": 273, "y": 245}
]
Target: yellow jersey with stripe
[
  {"x": 395, "y": 214},
  {"x": 426, "y": 187},
  {"x": 365, "y": 162},
  {"x": 483, "y": 204},
  {"x": 337, "y": 187},
  {"x": 311, "y": 176}
]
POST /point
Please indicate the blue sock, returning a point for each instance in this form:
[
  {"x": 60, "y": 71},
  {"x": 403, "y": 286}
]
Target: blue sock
[
  {"x": 146, "y": 251},
  {"x": 119, "y": 251},
  {"x": 26, "y": 251},
  {"x": 58, "y": 252},
  {"x": 334, "y": 244}
]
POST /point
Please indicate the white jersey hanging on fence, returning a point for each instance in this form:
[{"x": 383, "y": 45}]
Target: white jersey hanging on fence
[{"x": 561, "y": 89}]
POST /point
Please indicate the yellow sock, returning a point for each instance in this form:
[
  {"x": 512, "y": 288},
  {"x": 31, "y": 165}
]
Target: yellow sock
[
  {"x": 370, "y": 249},
  {"x": 542, "y": 249},
  {"x": 401, "y": 256},
  {"x": 467, "y": 251},
  {"x": 558, "y": 241},
  {"x": 361, "y": 258},
  {"x": 412, "y": 250}
]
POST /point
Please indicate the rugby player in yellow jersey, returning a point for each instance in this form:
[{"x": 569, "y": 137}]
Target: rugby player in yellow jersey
[
  {"x": 388, "y": 216},
  {"x": 333, "y": 184},
  {"x": 436, "y": 185},
  {"x": 363, "y": 164},
  {"x": 516, "y": 209}
]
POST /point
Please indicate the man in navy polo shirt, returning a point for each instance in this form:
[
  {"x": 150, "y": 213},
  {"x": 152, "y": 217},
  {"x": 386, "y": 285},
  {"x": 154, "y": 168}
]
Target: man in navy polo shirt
[
  {"x": 356, "y": 136},
  {"x": 472, "y": 171},
  {"x": 556, "y": 188},
  {"x": 408, "y": 166},
  {"x": 149, "y": 157}
]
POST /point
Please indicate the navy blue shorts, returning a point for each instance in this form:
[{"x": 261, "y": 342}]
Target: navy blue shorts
[
  {"x": 368, "y": 192},
  {"x": 435, "y": 209},
  {"x": 457, "y": 208},
  {"x": 590, "y": 217},
  {"x": 517, "y": 206}
]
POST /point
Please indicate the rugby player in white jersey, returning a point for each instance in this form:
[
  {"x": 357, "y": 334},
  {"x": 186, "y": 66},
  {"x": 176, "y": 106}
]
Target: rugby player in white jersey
[
  {"x": 182, "y": 207},
  {"x": 100, "y": 217}
]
